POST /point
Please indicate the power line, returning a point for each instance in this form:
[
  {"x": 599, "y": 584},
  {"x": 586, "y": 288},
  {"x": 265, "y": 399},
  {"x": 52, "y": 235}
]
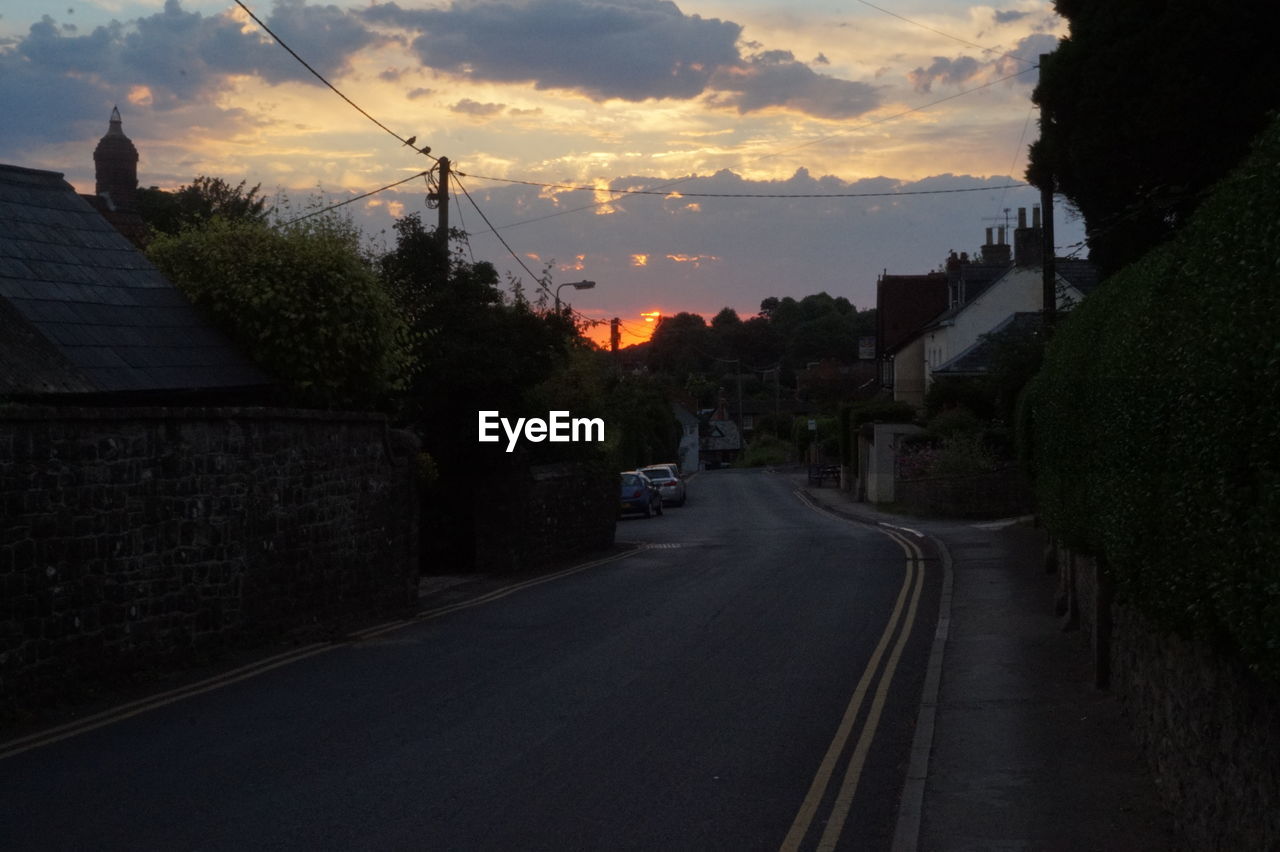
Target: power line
[
  {"x": 808, "y": 195},
  {"x": 1012, "y": 56},
  {"x": 1017, "y": 149},
  {"x": 356, "y": 198},
  {"x": 410, "y": 141},
  {"x": 816, "y": 141}
]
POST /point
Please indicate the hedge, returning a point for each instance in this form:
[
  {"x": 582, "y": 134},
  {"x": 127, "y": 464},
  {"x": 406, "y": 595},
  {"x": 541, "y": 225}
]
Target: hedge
[{"x": 1155, "y": 423}]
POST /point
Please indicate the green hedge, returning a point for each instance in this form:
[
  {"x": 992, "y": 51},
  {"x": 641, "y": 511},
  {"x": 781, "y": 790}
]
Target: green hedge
[{"x": 1156, "y": 421}]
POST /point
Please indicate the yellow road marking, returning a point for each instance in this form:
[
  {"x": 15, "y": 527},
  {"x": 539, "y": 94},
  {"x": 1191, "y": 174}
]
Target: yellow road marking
[
  {"x": 154, "y": 702},
  {"x": 913, "y": 583},
  {"x": 849, "y": 787},
  {"x": 822, "y": 779}
]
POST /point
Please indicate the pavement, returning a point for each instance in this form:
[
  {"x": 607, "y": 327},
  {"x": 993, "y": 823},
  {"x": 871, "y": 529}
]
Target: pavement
[{"x": 1015, "y": 748}]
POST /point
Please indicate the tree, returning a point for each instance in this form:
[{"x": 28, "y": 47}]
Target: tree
[
  {"x": 300, "y": 301},
  {"x": 680, "y": 345},
  {"x": 198, "y": 202},
  {"x": 1144, "y": 106}
]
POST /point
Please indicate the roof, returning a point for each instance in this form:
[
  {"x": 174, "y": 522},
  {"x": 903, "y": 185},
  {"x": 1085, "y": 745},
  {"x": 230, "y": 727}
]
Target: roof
[
  {"x": 1081, "y": 274},
  {"x": 970, "y": 280},
  {"x": 979, "y": 358},
  {"x": 83, "y": 311}
]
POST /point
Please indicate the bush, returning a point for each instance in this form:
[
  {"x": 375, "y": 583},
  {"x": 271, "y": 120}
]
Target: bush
[
  {"x": 1154, "y": 421},
  {"x": 765, "y": 450},
  {"x": 954, "y": 422},
  {"x": 301, "y": 302}
]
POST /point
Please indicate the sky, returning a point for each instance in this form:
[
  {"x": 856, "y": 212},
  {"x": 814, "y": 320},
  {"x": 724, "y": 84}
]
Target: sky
[{"x": 865, "y": 118}]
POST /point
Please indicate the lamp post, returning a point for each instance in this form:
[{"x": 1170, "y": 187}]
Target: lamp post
[{"x": 577, "y": 285}]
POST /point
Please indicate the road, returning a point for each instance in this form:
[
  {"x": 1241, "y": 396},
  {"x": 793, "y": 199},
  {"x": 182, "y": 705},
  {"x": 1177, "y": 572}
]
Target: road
[{"x": 748, "y": 678}]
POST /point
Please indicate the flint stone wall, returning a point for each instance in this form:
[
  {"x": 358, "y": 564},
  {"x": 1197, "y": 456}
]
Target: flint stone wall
[
  {"x": 1208, "y": 727},
  {"x": 136, "y": 540}
]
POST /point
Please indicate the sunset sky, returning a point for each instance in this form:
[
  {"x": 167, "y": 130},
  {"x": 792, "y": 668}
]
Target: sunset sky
[{"x": 685, "y": 101}]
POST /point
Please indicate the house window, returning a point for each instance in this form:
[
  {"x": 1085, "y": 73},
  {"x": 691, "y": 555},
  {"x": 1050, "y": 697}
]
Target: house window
[{"x": 748, "y": 422}]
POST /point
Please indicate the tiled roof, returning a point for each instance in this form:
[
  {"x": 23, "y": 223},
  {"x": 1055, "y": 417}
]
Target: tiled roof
[
  {"x": 1081, "y": 274},
  {"x": 83, "y": 311},
  {"x": 979, "y": 357}
]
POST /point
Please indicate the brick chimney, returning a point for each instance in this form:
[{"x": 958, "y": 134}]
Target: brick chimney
[
  {"x": 1028, "y": 242},
  {"x": 115, "y": 164},
  {"x": 996, "y": 252}
]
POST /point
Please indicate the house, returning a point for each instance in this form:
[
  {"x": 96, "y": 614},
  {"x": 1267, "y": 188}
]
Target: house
[
  {"x": 84, "y": 316},
  {"x": 689, "y": 441},
  {"x": 721, "y": 440},
  {"x": 983, "y": 297},
  {"x": 904, "y": 303}
]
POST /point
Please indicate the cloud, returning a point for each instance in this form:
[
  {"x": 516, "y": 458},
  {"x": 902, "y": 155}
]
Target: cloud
[
  {"x": 1028, "y": 50},
  {"x": 181, "y": 60},
  {"x": 1009, "y": 16},
  {"x": 632, "y": 50},
  {"x": 776, "y": 79},
  {"x": 466, "y": 106},
  {"x": 964, "y": 69},
  {"x": 946, "y": 71},
  {"x": 183, "y": 56},
  {"x": 414, "y": 94}
]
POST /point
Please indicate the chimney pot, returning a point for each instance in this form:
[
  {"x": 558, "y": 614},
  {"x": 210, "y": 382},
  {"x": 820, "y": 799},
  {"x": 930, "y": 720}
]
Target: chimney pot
[
  {"x": 988, "y": 236},
  {"x": 1022, "y": 217},
  {"x": 1002, "y": 235},
  {"x": 1035, "y": 216}
]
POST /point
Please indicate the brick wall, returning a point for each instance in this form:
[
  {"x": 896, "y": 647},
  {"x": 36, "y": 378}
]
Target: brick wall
[{"x": 135, "y": 539}]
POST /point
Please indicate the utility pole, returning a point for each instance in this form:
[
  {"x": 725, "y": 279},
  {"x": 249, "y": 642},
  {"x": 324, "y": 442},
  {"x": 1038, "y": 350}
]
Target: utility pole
[
  {"x": 442, "y": 204},
  {"x": 1049, "y": 284},
  {"x": 615, "y": 336}
]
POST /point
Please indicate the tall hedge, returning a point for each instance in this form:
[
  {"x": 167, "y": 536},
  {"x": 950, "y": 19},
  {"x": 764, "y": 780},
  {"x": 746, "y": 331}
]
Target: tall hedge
[
  {"x": 1156, "y": 421},
  {"x": 300, "y": 301}
]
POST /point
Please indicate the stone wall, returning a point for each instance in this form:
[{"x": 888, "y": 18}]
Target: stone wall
[
  {"x": 1207, "y": 726},
  {"x": 142, "y": 539},
  {"x": 534, "y": 516}
]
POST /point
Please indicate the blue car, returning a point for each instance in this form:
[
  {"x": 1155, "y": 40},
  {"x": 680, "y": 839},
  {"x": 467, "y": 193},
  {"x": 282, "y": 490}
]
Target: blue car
[{"x": 639, "y": 494}]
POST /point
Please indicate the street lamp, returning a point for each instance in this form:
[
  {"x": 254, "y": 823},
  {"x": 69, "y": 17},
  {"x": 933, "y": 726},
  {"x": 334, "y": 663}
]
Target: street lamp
[{"x": 577, "y": 285}]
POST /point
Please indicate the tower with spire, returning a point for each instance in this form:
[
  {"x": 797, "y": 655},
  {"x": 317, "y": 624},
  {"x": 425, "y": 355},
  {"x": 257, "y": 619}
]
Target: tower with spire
[{"x": 115, "y": 163}]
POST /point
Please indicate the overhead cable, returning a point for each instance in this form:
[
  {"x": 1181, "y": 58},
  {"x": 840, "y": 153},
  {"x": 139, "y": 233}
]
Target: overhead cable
[
  {"x": 411, "y": 141},
  {"x": 663, "y": 192},
  {"x": 806, "y": 144},
  {"x": 355, "y": 198},
  {"x": 1012, "y": 56}
]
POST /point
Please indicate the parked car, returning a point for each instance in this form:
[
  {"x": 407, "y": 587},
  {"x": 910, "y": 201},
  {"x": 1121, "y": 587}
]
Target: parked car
[
  {"x": 639, "y": 494},
  {"x": 667, "y": 478}
]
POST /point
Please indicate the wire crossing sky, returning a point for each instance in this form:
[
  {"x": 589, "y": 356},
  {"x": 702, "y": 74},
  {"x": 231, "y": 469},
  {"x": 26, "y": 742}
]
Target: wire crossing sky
[{"x": 685, "y": 156}]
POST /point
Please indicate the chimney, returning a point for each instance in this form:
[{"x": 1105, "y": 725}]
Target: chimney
[
  {"x": 996, "y": 253},
  {"x": 1028, "y": 249}
]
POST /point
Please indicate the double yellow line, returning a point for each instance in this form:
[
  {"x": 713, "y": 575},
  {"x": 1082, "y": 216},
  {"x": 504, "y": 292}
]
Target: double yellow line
[
  {"x": 901, "y": 622},
  {"x": 258, "y": 667}
]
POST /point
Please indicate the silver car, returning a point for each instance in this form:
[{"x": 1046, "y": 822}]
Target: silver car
[{"x": 667, "y": 478}]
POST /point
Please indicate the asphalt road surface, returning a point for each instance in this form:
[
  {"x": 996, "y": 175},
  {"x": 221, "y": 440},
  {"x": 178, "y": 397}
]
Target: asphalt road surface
[{"x": 748, "y": 678}]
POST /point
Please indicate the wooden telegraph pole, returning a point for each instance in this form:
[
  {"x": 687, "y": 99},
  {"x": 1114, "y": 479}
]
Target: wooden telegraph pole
[{"x": 442, "y": 203}]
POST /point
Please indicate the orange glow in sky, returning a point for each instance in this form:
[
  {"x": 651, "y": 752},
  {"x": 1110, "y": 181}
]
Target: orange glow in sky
[{"x": 632, "y": 330}]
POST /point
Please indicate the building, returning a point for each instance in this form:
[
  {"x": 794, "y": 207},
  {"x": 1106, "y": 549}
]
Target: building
[
  {"x": 85, "y": 317},
  {"x": 115, "y": 184},
  {"x": 997, "y": 291}
]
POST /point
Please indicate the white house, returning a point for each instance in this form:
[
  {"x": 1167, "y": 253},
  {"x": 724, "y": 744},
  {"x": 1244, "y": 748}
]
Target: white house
[{"x": 1019, "y": 290}]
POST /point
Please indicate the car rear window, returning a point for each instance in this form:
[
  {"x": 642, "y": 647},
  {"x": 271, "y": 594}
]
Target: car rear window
[{"x": 630, "y": 479}]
